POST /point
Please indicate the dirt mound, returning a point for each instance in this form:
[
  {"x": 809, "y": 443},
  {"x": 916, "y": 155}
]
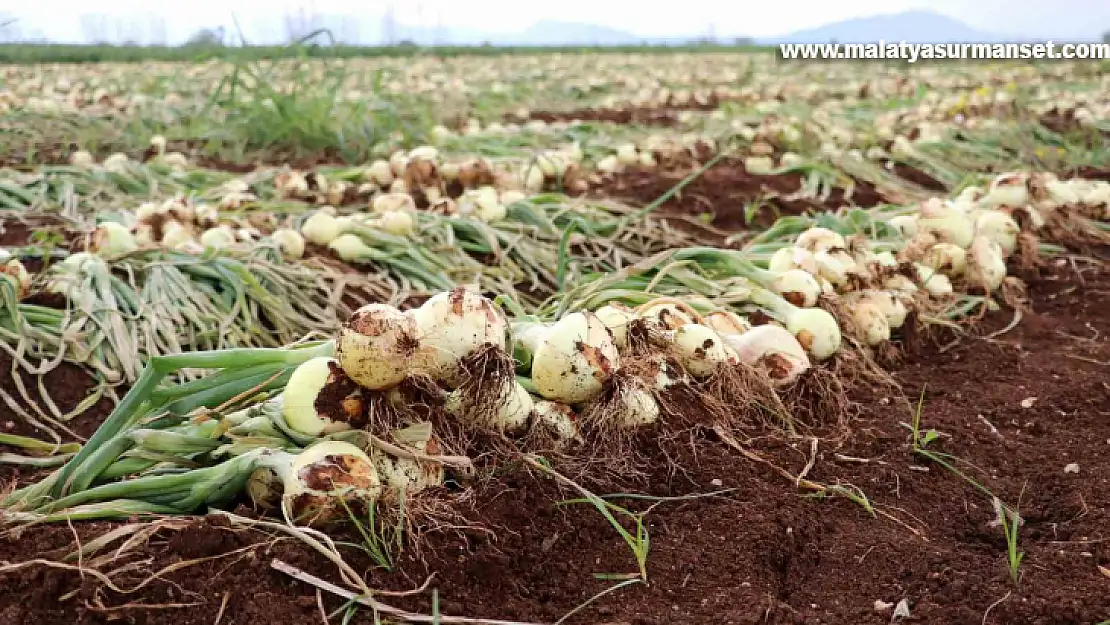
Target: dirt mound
[{"x": 733, "y": 198}]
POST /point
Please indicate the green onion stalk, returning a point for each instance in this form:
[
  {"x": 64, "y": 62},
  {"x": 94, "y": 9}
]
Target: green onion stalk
[
  {"x": 106, "y": 310},
  {"x": 151, "y": 422}
]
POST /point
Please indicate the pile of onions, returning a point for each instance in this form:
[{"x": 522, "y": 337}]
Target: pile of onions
[{"x": 378, "y": 349}]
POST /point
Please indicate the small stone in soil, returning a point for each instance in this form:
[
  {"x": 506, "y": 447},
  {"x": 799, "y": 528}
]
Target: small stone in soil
[{"x": 1072, "y": 468}]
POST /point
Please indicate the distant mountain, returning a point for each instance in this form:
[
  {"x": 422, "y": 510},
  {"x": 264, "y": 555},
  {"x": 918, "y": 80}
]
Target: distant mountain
[
  {"x": 541, "y": 33},
  {"x": 554, "y": 33},
  {"x": 910, "y": 26}
]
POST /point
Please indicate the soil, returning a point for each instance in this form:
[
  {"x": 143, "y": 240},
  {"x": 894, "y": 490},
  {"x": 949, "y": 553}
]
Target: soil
[
  {"x": 68, "y": 385},
  {"x": 724, "y": 192},
  {"x": 1065, "y": 122},
  {"x": 1017, "y": 409},
  {"x": 643, "y": 116},
  {"x": 918, "y": 177},
  {"x": 665, "y": 115},
  {"x": 19, "y": 231}
]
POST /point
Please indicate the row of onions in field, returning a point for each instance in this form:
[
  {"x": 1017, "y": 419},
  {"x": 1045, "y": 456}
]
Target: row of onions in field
[{"x": 398, "y": 397}]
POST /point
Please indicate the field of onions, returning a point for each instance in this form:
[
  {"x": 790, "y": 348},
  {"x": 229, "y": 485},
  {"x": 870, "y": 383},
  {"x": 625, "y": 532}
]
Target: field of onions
[{"x": 560, "y": 338}]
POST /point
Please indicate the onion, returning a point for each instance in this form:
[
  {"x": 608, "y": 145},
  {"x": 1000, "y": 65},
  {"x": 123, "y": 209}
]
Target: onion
[
  {"x": 937, "y": 284},
  {"x": 113, "y": 239},
  {"x": 148, "y": 210},
  {"x": 1097, "y": 193},
  {"x": 514, "y": 405},
  {"x": 831, "y": 268},
  {"x": 869, "y": 322},
  {"x": 453, "y": 325},
  {"x": 986, "y": 265},
  {"x": 557, "y": 420},
  {"x": 376, "y": 345},
  {"x": 946, "y": 257},
  {"x": 699, "y": 349},
  {"x": 351, "y": 249},
  {"x": 818, "y": 239},
  {"x": 667, "y": 315},
  {"x": 398, "y": 222},
  {"x": 627, "y": 154},
  {"x": 635, "y": 407},
  {"x": 298, "y": 406},
  {"x": 759, "y": 165},
  {"x": 206, "y": 215},
  {"x": 886, "y": 259},
  {"x": 175, "y": 234},
  {"x": 1000, "y": 228},
  {"x": 617, "y": 317},
  {"x": 727, "y": 322},
  {"x": 948, "y": 225},
  {"x": 550, "y": 164},
  {"x": 1006, "y": 190},
  {"x": 389, "y": 202},
  {"x": 663, "y": 374},
  {"x": 797, "y": 287},
  {"x": 485, "y": 204},
  {"x": 82, "y": 159},
  {"x": 325, "y": 476},
  {"x": 405, "y": 476},
  {"x": 290, "y": 242},
  {"x": 815, "y": 329},
  {"x": 609, "y": 165},
  {"x": 398, "y": 161},
  {"x": 772, "y": 348},
  {"x": 14, "y": 268},
  {"x": 889, "y": 304},
  {"x": 380, "y": 173},
  {"x": 900, "y": 285},
  {"x": 532, "y": 179},
  {"x": 575, "y": 360},
  {"x": 218, "y": 238},
  {"x": 116, "y": 163},
  {"x": 1062, "y": 193},
  {"x": 787, "y": 258},
  {"x": 321, "y": 228}
]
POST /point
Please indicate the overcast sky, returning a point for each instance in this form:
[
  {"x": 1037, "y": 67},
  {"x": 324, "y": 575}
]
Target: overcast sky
[{"x": 60, "y": 19}]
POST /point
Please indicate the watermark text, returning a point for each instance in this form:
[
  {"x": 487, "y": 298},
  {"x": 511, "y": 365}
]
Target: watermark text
[{"x": 912, "y": 52}]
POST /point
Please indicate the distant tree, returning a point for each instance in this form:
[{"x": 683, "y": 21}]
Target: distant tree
[
  {"x": 207, "y": 37},
  {"x": 743, "y": 41},
  {"x": 1106, "y": 37}
]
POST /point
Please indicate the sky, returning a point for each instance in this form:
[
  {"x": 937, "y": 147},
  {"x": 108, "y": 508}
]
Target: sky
[{"x": 60, "y": 19}]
